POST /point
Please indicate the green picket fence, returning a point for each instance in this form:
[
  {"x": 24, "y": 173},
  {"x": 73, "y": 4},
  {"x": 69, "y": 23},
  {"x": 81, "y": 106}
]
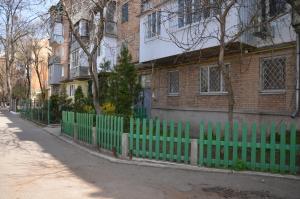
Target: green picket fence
[
  {"x": 139, "y": 112},
  {"x": 85, "y": 123},
  {"x": 160, "y": 140},
  {"x": 67, "y": 123},
  {"x": 109, "y": 132},
  {"x": 249, "y": 147}
]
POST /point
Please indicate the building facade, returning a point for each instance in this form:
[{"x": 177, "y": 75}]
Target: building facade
[
  {"x": 176, "y": 55},
  {"x": 181, "y": 68}
]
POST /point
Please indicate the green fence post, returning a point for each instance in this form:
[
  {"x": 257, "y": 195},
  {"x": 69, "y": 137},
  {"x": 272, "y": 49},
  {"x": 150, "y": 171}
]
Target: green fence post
[
  {"x": 253, "y": 147},
  {"x": 150, "y": 138},
  {"x": 157, "y": 139},
  {"x": 48, "y": 112},
  {"x": 272, "y": 147},
  {"x": 263, "y": 148},
  {"x": 164, "y": 148},
  {"x": 201, "y": 143},
  {"x": 186, "y": 142},
  {"x": 235, "y": 143},
  {"x": 218, "y": 144},
  {"x": 293, "y": 148},
  {"x": 209, "y": 144},
  {"x": 282, "y": 147}
]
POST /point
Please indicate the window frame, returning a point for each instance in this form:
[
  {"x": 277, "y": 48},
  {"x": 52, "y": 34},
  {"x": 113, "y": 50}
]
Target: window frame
[
  {"x": 222, "y": 83},
  {"x": 150, "y": 30},
  {"x": 195, "y": 16},
  {"x": 261, "y": 78},
  {"x": 124, "y": 18},
  {"x": 74, "y": 52},
  {"x": 169, "y": 83}
]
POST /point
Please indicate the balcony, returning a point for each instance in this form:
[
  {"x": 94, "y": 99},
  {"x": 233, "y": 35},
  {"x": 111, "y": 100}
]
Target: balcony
[
  {"x": 56, "y": 39},
  {"x": 54, "y": 73},
  {"x": 54, "y": 60},
  {"x": 79, "y": 72}
]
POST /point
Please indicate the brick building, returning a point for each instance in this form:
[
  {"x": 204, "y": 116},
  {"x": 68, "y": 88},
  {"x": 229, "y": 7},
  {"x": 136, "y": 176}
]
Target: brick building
[{"x": 187, "y": 85}]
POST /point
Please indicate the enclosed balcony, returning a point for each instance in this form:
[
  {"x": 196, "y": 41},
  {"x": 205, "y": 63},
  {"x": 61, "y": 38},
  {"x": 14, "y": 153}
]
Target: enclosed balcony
[
  {"x": 111, "y": 28},
  {"x": 56, "y": 36},
  {"x": 79, "y": 72},
  {"x": 54, "y": 73}
]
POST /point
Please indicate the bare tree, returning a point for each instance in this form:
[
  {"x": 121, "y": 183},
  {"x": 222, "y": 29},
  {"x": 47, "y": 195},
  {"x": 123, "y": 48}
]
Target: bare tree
[
  {"x": 15, "y": 22},
  {"x": 96, "y": 12},
  {"x": 24, "y": 57}
]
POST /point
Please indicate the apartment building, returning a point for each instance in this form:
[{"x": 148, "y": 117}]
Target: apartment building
[
  {"x": 182, "y": 74},
  {"x": 39, "y": 74},
  {"x": 68, "y": 64}
]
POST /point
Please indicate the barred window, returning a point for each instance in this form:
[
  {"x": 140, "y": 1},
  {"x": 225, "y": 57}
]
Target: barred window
[
  {"x": 174, "y": 82},
  {"x": 211, "y": 80},
  {"x": 273, "y": 73}
]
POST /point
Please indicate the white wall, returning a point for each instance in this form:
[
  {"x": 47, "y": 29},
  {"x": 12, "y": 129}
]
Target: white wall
[
  {"x": 108, "y": 51},
  {"x": 164, "y": 46}
]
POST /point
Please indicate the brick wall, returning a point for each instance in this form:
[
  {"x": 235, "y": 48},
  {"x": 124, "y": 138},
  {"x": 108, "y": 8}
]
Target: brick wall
[
  {"x": 245, "y": 81},
  {"x": 129, "y": 32}
]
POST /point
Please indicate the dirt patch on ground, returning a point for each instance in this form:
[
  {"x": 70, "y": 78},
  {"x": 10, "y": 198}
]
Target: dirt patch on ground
[{"x": 230, "y": 193}]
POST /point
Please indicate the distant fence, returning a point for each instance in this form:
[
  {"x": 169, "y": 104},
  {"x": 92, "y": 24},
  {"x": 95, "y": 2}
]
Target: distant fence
[
  {"x": 36, "y": 111},
  {"x": 140, "y": 112},
  {"x": 253, "y": 147}
]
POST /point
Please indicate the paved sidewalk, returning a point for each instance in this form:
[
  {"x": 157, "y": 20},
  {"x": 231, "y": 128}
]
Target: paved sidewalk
[{"x": 34, "y": 164}]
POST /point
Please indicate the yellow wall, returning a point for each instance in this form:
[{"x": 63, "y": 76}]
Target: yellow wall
[{"x": 76, "y": 83}]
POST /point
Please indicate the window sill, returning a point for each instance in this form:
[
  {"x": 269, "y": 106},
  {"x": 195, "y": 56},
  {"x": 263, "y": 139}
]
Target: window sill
[
  {"x": 173, "y": 94},
  {"x": 151, "y": 39},
  {"x": 272, "y": 92},
  {"x": 212, "y": 93}
]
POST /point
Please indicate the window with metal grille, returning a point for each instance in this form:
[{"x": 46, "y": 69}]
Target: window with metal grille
[
  {"x": 125, "y": 12},
  {"x": 211, "y": 80},
  {"x": 273, "y": 73},
  {"x": 173, "y": 82}
]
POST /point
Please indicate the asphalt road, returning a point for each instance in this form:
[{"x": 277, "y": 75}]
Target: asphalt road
[{"x": 36, "y": 165}]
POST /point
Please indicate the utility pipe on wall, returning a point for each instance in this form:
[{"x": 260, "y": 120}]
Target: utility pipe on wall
[{"x": 296, "y": 112}]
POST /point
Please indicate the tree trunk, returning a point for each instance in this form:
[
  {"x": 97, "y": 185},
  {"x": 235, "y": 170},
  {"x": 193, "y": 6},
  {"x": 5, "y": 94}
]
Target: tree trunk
[
  {"x": 29, "y": 81},
  {"x": 226, "y": 71},
  {"x": 93, "y": 70},
  {"x": 40, "y": 83}
]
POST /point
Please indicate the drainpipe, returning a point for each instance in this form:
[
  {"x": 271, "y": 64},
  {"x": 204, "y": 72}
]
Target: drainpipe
[{"x": 296, "y": 112}]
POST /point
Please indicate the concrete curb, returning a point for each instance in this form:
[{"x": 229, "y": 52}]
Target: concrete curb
[{"x": 160, "y": 164}]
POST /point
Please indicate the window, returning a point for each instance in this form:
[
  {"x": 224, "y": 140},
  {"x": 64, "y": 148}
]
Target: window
[
  {"x": 191, "y": 11},
  {"x": 146, "y": 81},
  {"x": 62, "y": 71},
  {"x": 84, "y": 28},
  {"x": 276, "y": 7},
  {"x": 75, "y": 58},
  {"x": 211, "y": 80},
  {"x": 72, "y": 90},
  {"x": 125, "y": 12},
  {"x": 273, "y": 73},
  {"x": 153, "y": 24},
  {"x": 76, "y": 29},
  {"x": 174, "y": 82}
]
